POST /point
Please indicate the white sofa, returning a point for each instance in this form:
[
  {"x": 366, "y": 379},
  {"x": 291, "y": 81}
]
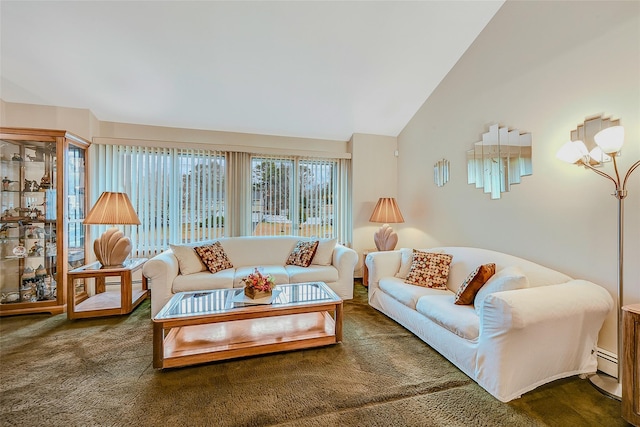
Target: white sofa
[
  {"x": 333, "y": 264},
  {"x": 515, "y": 340}
]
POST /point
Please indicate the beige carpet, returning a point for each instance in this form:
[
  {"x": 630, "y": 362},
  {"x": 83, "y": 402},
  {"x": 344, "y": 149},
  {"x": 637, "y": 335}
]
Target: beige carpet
[{"x": 97, "y": 372}]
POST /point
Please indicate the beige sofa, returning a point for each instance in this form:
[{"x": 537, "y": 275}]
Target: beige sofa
[
  {"x": 333, "y": 264},
  {"x": 528, "y": 326}
]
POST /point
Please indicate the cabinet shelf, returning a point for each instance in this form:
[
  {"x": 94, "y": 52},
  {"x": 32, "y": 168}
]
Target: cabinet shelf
[{"x": 43, "y": 172}]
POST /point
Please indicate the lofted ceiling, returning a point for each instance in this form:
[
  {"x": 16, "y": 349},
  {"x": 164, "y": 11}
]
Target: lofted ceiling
[{"x": 319, "y": 69}]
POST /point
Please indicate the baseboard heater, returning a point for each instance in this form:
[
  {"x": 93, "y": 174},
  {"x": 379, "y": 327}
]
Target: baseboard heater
[{"x": 607, "y": 362}]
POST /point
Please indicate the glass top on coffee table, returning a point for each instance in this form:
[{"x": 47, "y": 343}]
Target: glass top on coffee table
[{"x": 217, "y": 301}]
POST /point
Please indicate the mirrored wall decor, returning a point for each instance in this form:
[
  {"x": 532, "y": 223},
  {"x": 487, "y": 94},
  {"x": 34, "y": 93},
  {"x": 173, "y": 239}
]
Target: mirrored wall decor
[
  {"x": 499, "y": 160},
  {"x": 585, "y": 131},
  {"x": 441, "y": 172}
]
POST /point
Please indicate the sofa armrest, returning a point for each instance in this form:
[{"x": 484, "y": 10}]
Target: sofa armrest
[
  {"x": 160, "y": 272},
  {"x": 382, "y": 264},
  {"x": 522, "y": 308},
  {"x": 344, "y": 259},
  {"x": 550, "y": 330}
]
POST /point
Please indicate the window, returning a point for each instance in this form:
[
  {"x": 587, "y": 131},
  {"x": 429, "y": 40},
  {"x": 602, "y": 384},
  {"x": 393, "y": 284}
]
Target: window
[
  {"x": 185, "y": 195},
  {"x": 292, "y": 196}
]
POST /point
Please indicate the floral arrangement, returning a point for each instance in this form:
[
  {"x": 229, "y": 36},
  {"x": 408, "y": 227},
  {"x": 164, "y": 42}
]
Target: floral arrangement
[{"x": 259, "y": 281}]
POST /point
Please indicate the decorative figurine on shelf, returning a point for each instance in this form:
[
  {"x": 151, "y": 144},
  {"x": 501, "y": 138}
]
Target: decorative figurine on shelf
[
  {"x": 41, "y": 290},
  {"x": 4, "y": 231},
  {"x": 36, "y": 249},
  {"x": 6, "y": 182},
  {"x": 20, "y": 251},
  {"x": 16, "y": 157},
  {"x": 41, "y": 271},
  {"x": 45, "y": 183},
  {"x": 50, "y": 249},
  {"x": 30, "y": 185},
  {"x": 34, "y": 213},
  {"x": 10, "y": 297},
  {"x": 39, "y": 157},
  {"x": 34, "y": 232},
  {"x": 22, "y": 213},
  {"x": 28, "y": 274}
]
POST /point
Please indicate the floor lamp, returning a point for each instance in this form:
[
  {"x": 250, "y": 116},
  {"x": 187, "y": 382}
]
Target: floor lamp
[{"x": 609, "y": 141}]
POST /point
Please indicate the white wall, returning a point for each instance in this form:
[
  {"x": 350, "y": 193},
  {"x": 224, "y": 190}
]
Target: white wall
[
  {"x": 540, "y": 67},
  {"x": 374, "y": 172}
]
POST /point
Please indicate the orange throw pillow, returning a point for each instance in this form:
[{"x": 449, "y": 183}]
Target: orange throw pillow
[{"x": 472, "y": 284}]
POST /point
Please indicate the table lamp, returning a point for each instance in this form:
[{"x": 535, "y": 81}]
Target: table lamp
[
  {"x": 113, "y": 247},
  {"x": 386, "y": 211}
]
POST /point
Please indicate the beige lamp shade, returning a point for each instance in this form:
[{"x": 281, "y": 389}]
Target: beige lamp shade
[
  {"x": 113, "y": 247},
  {"x": 386, "y": 211}
]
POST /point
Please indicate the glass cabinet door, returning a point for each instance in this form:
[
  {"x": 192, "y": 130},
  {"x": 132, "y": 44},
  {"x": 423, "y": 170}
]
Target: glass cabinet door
[
  {"x": 76, "y": 181},
  {"x": 28, "y": 226}
]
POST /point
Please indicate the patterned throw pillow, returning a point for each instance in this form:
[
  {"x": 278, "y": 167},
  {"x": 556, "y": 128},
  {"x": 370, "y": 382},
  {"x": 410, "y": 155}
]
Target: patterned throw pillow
[
  {"x": 429, "y": 269},
  {"x": 303, "y": 253},
  {"x": 214, "y": 257},
  {"x": 472, "y": 284}
]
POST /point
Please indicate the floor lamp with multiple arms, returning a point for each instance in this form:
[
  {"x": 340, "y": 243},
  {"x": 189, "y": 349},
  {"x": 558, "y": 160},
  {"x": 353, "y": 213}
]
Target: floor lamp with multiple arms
[{"x": 609, "y": 141}]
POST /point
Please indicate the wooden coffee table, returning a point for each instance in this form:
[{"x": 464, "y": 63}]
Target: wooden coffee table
[{"x": 199, "y": 327}]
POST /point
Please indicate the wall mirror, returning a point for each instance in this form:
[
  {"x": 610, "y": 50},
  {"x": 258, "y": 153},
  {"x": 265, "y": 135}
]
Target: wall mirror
[
  {"x": 585, "y": 131},
  {"x": 441, "y": 172},
  {"x": 499, "y": 160}
]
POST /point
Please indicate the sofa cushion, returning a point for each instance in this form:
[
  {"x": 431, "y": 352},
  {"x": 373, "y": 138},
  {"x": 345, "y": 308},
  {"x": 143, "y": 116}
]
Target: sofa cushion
[
  {"x": 507, "y": 279},
  {"x": 203, "y": 281},
  {"x": 429, "y": 269},
  {"x": 313, "y": 273},
  {"x": 189, "y": 261},
  {"x": 406, "y": 257},
  {"x": 324, "y": 252},
  {"x": 466, "y": 259},
  {"x": 278, "y": 272},
  {"x": 462, "y": 320},
  {"x": 472, "y": 284},
  {"x": 214, "y": 257},
  {"x": 405, "y": 293},
  {"x": 303, "y": 253},
  {"x": 254, "y": 251}
]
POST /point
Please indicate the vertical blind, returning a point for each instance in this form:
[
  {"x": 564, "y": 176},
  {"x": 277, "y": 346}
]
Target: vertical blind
[
  {"x": 178, "y": 194},
  {"x": 188, "y": 195}
]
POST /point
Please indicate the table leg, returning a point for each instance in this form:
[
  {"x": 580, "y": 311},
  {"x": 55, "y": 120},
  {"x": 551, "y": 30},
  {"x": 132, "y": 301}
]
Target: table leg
[
  {"x": 100, "y": 284},
  {"x": 158, "y": 345},
  {"x": 338, "y": 321},
  {"x": 71, "y": 298},
  {"x": 125, "y": 292}
]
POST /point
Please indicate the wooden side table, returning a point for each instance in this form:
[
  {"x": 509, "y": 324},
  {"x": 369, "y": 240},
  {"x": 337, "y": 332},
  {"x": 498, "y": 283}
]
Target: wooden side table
[
  {"x": 365, "y": 269},
  {"x": 106, "y": 303},
  {"x": 631, "y": 364}
]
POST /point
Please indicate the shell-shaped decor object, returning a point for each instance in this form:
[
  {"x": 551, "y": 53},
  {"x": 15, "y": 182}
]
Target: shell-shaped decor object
[
  {"x": 385, "y": 238},
  {"x": 112, "y": 248}
]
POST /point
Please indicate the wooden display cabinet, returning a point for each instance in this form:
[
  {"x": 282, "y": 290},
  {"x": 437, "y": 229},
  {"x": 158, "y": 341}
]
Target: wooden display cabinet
[
  {"x": 631, "y": 364},
  {"x": 42, "y": 205}
]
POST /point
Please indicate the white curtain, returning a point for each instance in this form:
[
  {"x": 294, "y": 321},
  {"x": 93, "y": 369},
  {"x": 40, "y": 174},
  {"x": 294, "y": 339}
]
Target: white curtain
[{"x": 238, "y": 221}]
